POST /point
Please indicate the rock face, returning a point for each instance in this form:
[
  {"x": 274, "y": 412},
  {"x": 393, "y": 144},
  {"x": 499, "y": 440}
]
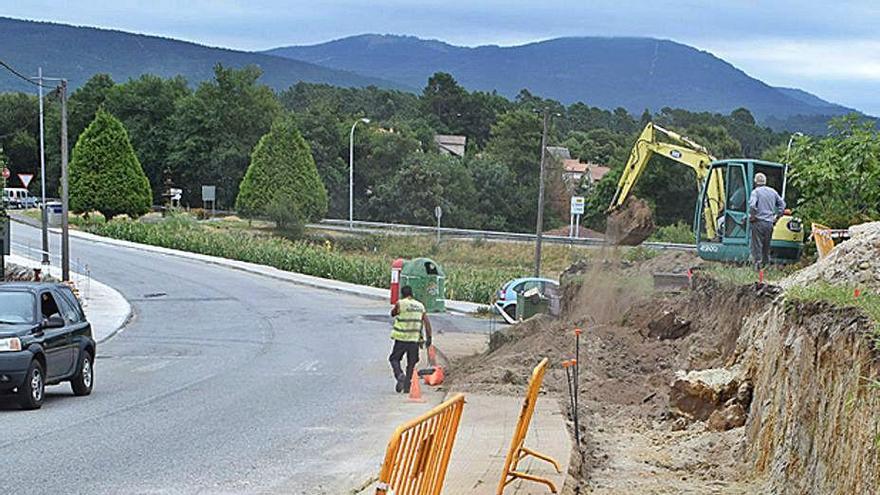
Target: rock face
[
  {"x": 696, "y": 395},
  {"x": 814, "y": 422},
  {"x": 732, "y": 416}
]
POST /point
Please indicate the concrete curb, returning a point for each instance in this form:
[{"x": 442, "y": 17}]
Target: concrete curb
[
  {"x": 463, "y": 307},
  {"x": 106, "y": 308}
]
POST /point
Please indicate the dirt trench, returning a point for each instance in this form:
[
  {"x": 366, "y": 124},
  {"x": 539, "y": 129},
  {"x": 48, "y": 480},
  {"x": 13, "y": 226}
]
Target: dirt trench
[{"x": 805, "y": 367}]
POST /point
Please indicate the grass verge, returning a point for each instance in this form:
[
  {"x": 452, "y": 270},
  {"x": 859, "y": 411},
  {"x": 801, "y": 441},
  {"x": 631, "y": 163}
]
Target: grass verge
[{"x": 474, "y": 269}]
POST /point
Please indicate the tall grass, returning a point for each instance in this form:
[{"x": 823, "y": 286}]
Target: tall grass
[{"x": 475, "y": 281}]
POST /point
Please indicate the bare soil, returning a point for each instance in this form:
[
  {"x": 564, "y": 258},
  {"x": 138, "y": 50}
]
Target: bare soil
[{"x": 631, "y": 442}]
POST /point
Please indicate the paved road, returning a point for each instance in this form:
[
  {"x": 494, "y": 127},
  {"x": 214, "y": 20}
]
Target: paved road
[{"x": 224, "y": 382}]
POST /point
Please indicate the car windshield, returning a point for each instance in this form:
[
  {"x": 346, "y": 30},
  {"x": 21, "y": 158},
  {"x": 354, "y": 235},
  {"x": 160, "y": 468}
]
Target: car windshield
[{"x": 16, "y": 307}]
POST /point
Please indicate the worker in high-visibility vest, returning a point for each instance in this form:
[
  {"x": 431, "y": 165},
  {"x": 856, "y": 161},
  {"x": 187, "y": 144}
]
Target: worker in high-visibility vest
[{"x": 409, "y": 318}]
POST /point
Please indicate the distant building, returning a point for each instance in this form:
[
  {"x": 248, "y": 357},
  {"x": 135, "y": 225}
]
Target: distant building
[
  {"x": 451, "y": 145},
  {"x": 573, "y": 171}
]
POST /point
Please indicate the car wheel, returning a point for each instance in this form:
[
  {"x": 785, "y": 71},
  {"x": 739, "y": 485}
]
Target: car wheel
[
  {"x": 85, "y": 377},
  {"x": 30, "y": 393}
]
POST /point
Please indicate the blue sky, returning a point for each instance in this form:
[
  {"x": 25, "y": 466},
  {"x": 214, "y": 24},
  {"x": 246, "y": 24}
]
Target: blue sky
[{"x": 830, "y": 48}]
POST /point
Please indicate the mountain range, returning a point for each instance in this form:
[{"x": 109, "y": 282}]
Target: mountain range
[
  {"x": 634, "y": 73},
  {"x": 77, "y": 53}
]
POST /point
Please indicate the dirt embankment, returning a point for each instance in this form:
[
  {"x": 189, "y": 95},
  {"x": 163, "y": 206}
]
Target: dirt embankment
[
  {"x": 814, "y": 424},
  {"x": 803, "y": 379}
]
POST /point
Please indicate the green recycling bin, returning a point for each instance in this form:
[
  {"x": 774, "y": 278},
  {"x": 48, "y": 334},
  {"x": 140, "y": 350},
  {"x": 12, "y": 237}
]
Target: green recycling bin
[
  {"x": 427, "y": 280},
  {"x": 530, "y": 303}
]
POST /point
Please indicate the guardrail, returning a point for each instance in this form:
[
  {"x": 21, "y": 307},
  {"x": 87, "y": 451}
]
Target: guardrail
[{"x": 405, "y": 229}]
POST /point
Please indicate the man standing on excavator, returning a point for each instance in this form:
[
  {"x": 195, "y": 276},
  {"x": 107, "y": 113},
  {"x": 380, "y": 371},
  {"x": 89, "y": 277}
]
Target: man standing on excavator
[
  {"x": 409, "y": 318},
  {"x": 765, "y": 208}
]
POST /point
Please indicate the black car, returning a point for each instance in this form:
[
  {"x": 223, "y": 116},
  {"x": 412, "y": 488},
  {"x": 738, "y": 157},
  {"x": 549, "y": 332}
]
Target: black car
[{"x": 45, "y": 339}]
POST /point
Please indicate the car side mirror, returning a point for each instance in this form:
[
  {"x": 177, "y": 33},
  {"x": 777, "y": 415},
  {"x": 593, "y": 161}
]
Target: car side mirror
[{"x": 53, "y": 322}]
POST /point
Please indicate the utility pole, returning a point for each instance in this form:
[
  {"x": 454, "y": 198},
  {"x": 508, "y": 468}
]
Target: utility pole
[
  {"x": 65, "y": 239},
  {"x": 540, "y": 226},
  {"x": 44, "y": 216}
]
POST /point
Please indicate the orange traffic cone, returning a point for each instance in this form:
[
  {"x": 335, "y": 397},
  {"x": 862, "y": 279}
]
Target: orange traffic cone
[{"x": 415, "y": 390}]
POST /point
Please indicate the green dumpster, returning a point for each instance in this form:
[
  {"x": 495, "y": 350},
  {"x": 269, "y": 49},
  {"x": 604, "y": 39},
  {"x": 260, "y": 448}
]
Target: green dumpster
[
  {"x": 427, "y": 280},
  {"x": 531, "y": 302}
]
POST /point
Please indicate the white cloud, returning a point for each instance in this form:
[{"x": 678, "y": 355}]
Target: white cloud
[{"x": 843, "y": 60}]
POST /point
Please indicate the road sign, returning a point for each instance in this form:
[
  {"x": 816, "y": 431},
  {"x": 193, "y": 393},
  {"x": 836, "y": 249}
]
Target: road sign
[
  {"x": 438, "y": 212},
  {"x": 5, "y": 173},
  {"x": 25, "y": 179},
  {"x": 209, "y": 193},
  {"x": 577, "y": 205}
]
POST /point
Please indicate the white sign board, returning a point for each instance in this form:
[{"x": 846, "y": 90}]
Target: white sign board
[
  {"x": 209, "y": 193},
  {"x": 25, "y": 179},
  {"x": 438, "y": 212},
  {"x": 577, "y": 205}
]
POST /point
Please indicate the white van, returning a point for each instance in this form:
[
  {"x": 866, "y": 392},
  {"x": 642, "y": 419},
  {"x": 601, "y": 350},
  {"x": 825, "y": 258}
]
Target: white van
[{"x": 18, "y": 197}]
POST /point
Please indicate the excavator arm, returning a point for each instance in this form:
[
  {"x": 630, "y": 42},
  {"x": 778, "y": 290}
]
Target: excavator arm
[{"x": 679, "y": 149}]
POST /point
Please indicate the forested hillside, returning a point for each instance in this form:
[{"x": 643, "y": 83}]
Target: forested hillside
[{"x": 633, "y": 73}]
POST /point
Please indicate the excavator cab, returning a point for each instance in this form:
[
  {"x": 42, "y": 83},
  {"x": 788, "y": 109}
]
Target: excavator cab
[{"x": 724, "y": 200}]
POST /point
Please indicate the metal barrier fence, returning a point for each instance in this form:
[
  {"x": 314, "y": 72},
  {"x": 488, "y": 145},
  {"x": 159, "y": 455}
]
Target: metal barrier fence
[
  {"x": 517, "y": 450},
  {"x": 418, "y": 453}
]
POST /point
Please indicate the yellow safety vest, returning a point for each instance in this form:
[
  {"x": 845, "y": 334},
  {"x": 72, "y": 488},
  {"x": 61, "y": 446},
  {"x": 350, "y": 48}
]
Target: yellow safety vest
[{"x": 408, "y": 322}]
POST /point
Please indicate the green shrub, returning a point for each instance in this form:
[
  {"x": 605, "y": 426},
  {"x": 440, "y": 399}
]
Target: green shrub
[
  {"x": 105, "y": 174},
  {"x": 282, "y": 181},
  {"x": 679, "y": 232}
]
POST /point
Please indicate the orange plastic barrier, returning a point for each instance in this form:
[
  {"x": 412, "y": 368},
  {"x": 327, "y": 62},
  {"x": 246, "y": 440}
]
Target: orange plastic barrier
[
  {"x": 517, "y": 450},
  {"x": 825, "y": 236},
  {"x": 418, "y": 453}
]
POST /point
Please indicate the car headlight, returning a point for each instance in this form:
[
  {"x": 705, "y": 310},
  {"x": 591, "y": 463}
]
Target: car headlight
[{"x": 10, "y": 344}]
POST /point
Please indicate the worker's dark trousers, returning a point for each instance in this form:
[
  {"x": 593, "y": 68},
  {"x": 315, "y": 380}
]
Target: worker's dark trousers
[
  {"x": 762, "y": 232},
  {"x": 411, "y": 350}
]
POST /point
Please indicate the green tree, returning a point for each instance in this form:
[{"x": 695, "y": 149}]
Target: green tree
[
  {"x": 837, "y": 178},
  {"x": 282, "y": 181},
  {"x": 105, "y": 174},
  {"x": 146, "y": 108},
  {"x": 425, "y": 181},
  {"x": 215, "y": 130},
  {"x": 85, "y": 102}
]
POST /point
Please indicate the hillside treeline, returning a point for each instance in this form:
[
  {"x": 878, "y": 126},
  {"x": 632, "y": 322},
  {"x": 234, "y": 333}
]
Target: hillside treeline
[{"x": 205, "y": 135}]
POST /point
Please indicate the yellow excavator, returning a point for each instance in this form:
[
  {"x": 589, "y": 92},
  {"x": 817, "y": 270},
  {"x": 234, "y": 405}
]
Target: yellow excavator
[{"x": 721, "y": 219}]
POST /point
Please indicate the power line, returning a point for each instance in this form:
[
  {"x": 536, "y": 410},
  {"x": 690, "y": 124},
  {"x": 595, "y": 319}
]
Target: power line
[{"x": 20, "y": 75}]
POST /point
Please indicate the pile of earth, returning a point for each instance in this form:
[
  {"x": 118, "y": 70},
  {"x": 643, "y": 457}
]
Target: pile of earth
[
  {"x": 854, "y": 262},
  {"x": 17, "y": 273}
]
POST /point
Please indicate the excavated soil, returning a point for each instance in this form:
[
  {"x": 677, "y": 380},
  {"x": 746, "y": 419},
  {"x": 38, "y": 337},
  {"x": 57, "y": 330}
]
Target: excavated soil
[
  {"x": 633, "y": 344},
  {"x": 630, "y": 224}
]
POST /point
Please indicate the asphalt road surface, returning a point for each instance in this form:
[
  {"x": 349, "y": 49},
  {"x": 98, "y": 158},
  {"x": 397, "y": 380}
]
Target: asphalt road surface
[{"x": 223, "y": 382}]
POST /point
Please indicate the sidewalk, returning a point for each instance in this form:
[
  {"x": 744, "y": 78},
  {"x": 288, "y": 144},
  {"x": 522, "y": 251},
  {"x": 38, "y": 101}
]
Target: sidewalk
[
  {"x": 106, "y": 309},
  {"x": 272, "y": 272},
  {"x": 486, "y": 429},
  {"x": 483, "y": 440}
]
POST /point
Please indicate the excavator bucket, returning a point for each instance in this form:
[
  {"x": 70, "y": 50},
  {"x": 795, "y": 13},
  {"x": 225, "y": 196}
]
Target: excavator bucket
[{"x": 630, "y": 224}]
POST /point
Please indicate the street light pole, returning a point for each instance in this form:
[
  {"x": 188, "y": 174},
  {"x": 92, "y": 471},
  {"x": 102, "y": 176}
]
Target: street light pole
[
  {"x": 351, "y": 172},
  {"x": 540, "y": 225},
  {"x": 787, "y": 161}
]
